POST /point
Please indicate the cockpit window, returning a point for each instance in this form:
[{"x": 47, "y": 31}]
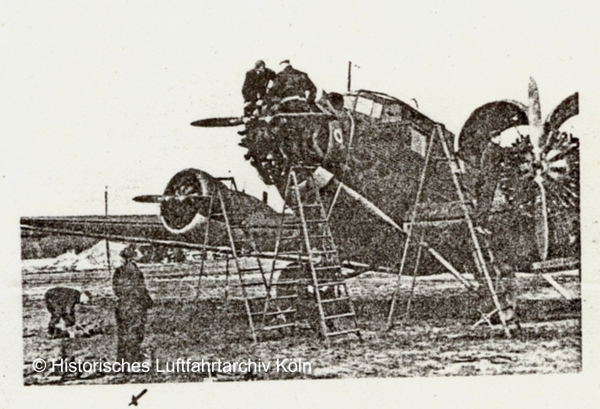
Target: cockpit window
[
  {"x": 349, "y": 102},
  {"x": 364, "y": 105},
  {"x": 368, "y": 107}
]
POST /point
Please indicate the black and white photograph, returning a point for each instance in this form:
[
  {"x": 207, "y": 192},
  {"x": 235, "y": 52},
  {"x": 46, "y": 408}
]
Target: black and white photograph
[{"x": 345, "y": 204}]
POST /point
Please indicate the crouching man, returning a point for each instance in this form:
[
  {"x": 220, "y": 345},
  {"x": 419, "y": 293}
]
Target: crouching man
[
  {"x": 133, "y": 303},
  {"x": 61, "y": 302}
]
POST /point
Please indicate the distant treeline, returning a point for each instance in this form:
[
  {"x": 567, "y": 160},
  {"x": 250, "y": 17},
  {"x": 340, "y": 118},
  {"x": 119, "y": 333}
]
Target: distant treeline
[{"x": 37, "y": 246}]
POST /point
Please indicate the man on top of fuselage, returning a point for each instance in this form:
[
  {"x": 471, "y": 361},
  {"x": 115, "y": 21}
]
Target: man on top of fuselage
[
  {"x": 255, "y": 87},
  {"x": 292, "y": 90}
]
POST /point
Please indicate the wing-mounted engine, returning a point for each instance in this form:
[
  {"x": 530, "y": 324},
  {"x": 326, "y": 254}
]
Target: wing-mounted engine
[
  {"x": 192, "y": 195},
  {"x": 187, "y": 200},
  {"x": 533, "y": 173}
]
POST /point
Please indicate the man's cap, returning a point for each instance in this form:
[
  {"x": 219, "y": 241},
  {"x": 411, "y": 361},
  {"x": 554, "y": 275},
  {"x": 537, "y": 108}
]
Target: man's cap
[
  {"x": 259, "y": 63},
  {"x": 129, "y": 252},
  {"x": 285, "y": 62}
]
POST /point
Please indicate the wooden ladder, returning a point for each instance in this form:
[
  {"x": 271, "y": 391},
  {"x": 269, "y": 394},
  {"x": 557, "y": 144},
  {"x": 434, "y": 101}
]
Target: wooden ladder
[
  {"x": 315, "y": 250},
  {"x": 481, "y": 252},
  {"x": 252, "y": 277}
]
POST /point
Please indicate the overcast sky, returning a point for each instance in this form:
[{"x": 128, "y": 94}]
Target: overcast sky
[{"x": 99, "y": 94}]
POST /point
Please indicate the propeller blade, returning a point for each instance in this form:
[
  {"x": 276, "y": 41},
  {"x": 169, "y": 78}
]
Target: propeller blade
[
  {"x": 534, "y": 115},
  {"x": 162, "y": 198},
  {"x": 541, "y": 222},
  {"x": 148, "y": 199},
  {"x": 218, "y": 122}
]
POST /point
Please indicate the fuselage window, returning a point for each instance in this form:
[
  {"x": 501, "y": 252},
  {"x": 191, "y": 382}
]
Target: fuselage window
[{"x": 418, "y": 142}]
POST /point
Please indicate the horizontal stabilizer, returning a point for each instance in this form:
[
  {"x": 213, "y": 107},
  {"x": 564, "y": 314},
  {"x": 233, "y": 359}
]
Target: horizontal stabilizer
[{"x": 218, "y": 122}]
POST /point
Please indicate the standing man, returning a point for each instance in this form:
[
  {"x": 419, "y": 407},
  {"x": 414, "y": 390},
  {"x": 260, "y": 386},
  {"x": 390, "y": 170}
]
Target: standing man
[
  {"x": 255, "y": 86},
  {"x": 132, "y": 306},
  {"x": 60, "y": 302},
  {"x": 292, "y": 89}
]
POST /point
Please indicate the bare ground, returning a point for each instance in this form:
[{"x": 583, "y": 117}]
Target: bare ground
[{"x": 437, "y": 339}]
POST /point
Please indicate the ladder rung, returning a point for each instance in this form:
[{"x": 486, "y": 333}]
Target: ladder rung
[
  {"x": 316, "y": 221},
  {"x": 290, "y": 238},
  {"x": 307, "y": 221},
  {"x": 333, "y": 317},
  {"x": 248, "y": 269},
  {"x": 258, "y": 297},
  {"x": 286, "y": 282},
  {"x": 347, "y": 331},
  {"x": 337, "y": 267},
  {"x": 251, "y": 284},
  {"x": 335, "y": 300},
  {"x": 323, "y": 251},
  {"x": 307, "y": 205},
  {"x": 272, "y": 327},
  {"x": 320, "y": 236},
  {"x": 272, "y": 313},
  {"x": 284, "y": 297}
]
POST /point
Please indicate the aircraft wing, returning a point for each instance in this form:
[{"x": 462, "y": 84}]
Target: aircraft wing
[
  {"x": 135, "y": 229},
  {"x": 145, "y": 229}
]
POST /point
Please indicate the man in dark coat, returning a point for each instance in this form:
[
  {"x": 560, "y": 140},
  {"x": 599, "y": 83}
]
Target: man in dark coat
[
  {"x": 60, "y": 302},
  {"x": 292, "y": 90},
  {"x": 132, "y": 307},
  {"x": 255, "y": 86}
]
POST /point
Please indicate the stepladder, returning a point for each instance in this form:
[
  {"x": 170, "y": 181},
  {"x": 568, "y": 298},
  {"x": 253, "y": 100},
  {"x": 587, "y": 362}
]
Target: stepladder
[
  {"x": 242, "y": 256},
  {"x": 321, "y": 294},
  {"x": 486, "y": 269}
]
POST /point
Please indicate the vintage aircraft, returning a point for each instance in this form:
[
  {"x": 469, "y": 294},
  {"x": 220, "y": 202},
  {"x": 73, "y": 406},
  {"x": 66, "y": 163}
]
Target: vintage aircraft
[
  {"x": 393, "y": 180},
  {"x": 375, "y": 147}
]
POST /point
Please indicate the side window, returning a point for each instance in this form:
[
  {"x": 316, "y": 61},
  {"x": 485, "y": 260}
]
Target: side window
[{"x": 418, "y": 142}]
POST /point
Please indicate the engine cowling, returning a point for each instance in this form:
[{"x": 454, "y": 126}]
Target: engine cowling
[{"x": 187, "y": 200}]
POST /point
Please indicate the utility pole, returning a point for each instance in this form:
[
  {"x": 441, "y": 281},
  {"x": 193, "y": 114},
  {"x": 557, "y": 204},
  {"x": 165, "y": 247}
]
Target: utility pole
[{"x": 106, "y": 216}]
